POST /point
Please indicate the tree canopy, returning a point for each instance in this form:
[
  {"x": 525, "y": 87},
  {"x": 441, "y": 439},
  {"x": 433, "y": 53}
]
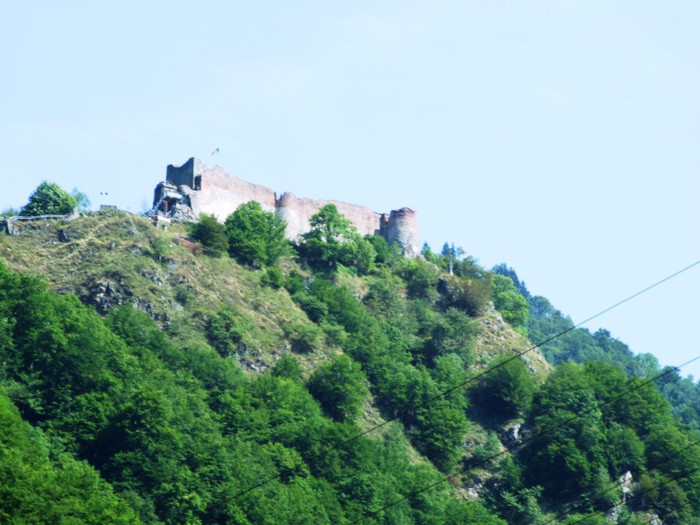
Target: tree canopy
[
  {"x": 255, "y": 237},
  {"x": 333, "y": 241},
  {"x": 49, "y": 199}
]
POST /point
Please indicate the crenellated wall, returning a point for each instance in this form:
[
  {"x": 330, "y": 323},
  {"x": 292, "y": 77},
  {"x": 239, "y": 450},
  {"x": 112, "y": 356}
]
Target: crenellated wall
[{"x": 194, "y": 188}]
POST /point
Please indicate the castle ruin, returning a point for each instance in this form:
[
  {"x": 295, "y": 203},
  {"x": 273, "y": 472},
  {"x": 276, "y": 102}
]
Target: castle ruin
[{"x": 195, "y": 188}]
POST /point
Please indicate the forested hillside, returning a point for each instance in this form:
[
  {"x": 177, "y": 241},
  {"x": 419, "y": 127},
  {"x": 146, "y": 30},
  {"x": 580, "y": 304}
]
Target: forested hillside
[
  {"x": 213, "y": 373},
  {"x": 578, "y": 345}
]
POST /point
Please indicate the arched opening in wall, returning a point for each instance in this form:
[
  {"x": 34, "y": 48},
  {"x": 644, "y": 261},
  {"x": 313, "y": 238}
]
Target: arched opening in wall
[{"x": 198, "y": 182}]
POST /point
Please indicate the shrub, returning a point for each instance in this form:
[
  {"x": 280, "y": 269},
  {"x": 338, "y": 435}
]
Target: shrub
[
  {"x": 272, "y": 278},
  {"x": 513, "y": 306},
  {"x": 227, "y": 330},
  {"x": 314, "y": 308},
  {"x": 466, "y": 293},
  {"x": 303, "y": 337},
  {"x": 340, "y": 388},
  {"x": 211, "y": 234}
]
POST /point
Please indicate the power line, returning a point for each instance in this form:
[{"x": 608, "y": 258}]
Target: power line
[
  {"x": 477, "y": 376},
  {"x": 532, "y": 438},
  {"x": 516, "y": 355}
]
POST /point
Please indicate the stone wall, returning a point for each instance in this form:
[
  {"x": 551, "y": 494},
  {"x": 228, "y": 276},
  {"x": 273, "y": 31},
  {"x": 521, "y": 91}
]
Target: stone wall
[
  {"x": 298, "y": 211},
  {"x": 194, "y": 188}
]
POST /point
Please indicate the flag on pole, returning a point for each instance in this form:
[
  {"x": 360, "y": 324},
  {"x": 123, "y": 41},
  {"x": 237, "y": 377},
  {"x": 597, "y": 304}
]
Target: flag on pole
[{"x": 215, "y": 152}]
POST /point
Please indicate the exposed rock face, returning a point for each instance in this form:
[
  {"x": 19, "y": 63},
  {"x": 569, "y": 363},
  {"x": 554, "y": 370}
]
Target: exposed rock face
[
  {"x": 194, "y": 188},
  {"x": 105, "y": 295},
  {"x": 510, "y": 435}
]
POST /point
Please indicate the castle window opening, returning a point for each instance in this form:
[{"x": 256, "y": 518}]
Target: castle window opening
[{"x": 198, "y": 182}]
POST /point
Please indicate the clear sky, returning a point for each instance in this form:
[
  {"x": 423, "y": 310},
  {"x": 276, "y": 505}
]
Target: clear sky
[{"x": 561, "y": 137}]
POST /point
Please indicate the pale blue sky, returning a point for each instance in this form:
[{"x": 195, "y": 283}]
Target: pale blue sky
[{"x": 558, "y": 136}]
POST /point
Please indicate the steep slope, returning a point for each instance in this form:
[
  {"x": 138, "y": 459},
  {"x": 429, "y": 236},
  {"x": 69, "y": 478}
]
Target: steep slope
[{"x": 384, "y": 391}]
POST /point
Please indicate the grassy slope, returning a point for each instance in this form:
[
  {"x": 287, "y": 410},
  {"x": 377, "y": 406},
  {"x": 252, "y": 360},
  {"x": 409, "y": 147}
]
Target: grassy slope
[{"x": 109, "y": 258}]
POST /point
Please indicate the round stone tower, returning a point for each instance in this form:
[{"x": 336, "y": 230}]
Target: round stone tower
[{"x": 402, "y": 228}]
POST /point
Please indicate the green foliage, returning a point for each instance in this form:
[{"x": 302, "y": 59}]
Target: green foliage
[
  {"x": 340, "y": 388},
  {"x": 666, "y": 496},
  {"x": 441, "y": 428},
  {"x": 513, "y": 306},
  {"x": 304, "y": 337},
  {"x": 161, "y": 247},
  {"x": 519, "y": 507},
  {"x": 454, "y": 333},
  {"x": 314, "y": 307},
  {"x": 39, "y": 483},
  {"x": 428, "y": 254},
  {"x": 272, "y": 278},
  {"x": 586, "y": 519},
  {"x": 295, "y": 282},
  {"x": 507, "y": 390},
  {"x": 211, "y": 234},
  {"x": 568, "y": 457},
  {"x": 384, "y": 253},
  {"x": 421, "y": 278},
  {"x": 49, "y": 199},
  {"x": 333, "y": 241},
  {"x": 287, "y": 366},
  {"x": 488, "y": 451},
  {"x": 255, "y": 237},
  {"x": 470, "y": 294},
  {"x": 505, "y": 271},
  {"x": 228, "y": 331},
  {"x": 175, "y": 432}
]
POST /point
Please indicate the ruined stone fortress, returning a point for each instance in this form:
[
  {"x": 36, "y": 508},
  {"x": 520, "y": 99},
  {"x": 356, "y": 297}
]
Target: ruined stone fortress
[{"x": 194, "y": 188}]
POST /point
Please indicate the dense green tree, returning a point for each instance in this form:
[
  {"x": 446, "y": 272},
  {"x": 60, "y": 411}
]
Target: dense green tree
[
  {"x": 453, "y": 333},
  {"x": 507, "y": 389},
  {"x": 421, "y": 278},
  {"x": 570, "y": 451},
  {"x": 506, "y": 271},
  {"x": 323, "y": 246},
  {"x": 181, "y": 432},
  {"x": 39, "y": 483},
  {"x": 340, "y": 388},
  {"x": 210, "y": 232},
  {"x": 441, "y": 428},
  {"x": 255, "y": 237},
  {"x": 49, "y": 199},
  {"x": 333, "y": 240},
  {"x": 384, "y": 252}
]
